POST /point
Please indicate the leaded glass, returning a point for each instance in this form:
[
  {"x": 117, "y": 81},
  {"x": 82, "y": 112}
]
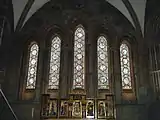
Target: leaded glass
[
  {"x": 32, "y": 67},
  {"x": 79, "y": 58},
  {"x": 54, "y": 63},
  {"x": 102, "y": 55},
  {"x": 125, "y": 67}
]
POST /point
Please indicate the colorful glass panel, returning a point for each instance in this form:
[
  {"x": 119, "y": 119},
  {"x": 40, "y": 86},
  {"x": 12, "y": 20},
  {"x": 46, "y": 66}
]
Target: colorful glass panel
[
  {"x": 79, "y": 58},
  {"x": 55, "y": 63},
  {"x": 125, "y": 67},
  {"x": 102, "y": 55},
  {"x": 32, "y": 67}
]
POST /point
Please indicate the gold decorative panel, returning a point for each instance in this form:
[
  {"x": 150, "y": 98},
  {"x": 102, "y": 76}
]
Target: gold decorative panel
[
  {"x": 78, "y": 107},
  {"x": 63, "y": 108},
  {"x": 90, "y": 109},
  {"x": 101, "y": 108}
]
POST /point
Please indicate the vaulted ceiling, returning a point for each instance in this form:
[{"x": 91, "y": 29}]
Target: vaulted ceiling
[{"x": 133, "y": 10}]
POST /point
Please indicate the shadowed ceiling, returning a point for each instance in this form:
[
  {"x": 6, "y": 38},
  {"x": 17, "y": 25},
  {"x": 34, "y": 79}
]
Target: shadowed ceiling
[{"x": 133, "y": 10}]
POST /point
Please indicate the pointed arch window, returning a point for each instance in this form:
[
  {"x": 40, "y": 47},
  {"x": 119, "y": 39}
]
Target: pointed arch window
[
  {"x": 102, "y": 55},
  {"x": 79, "y": 58},
  {"x": 125, "y": 59},
  {"x": 54, "y": 63},
  {"x": 32, "y": 66}
]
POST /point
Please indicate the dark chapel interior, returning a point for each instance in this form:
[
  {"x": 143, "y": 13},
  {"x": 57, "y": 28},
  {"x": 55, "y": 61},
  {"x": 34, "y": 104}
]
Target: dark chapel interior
[{"x": 79, "y": 59}]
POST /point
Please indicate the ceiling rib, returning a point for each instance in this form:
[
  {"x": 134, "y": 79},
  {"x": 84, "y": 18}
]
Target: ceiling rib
[
  {"x": 24, "y": 14},
  {"x": 119, "y": 5},
  {"x": 133, "y": 15}
]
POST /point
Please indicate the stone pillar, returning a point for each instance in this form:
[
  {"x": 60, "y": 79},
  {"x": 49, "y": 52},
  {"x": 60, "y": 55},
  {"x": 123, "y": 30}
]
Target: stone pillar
[
  {"x": 143, "y": 78},
  {"x": 116, "y": 78},
  {"x": 64, "y": 73},
  {"x": 143, "y": 64},
  {"x": 69, "y": 71},
  {"x": 89, "y": 79},
  {"x": 44, "y": 80},
  {"x": 12, "y": 74},
  {"x": 39, "y": 75},
  {"x": 89, "y": 66},
  {"x": 116, "y": 74},
  {"x": 94, "y": 69}
]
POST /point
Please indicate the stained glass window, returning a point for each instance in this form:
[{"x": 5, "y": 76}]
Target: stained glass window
[
  {"x": 125, "y": 66},
  {"x": 32, "y": 67},
  {"x": 79, "y": 58},
  {"x": 102, "y": 55},
  {"x": 55, "y": 63}
]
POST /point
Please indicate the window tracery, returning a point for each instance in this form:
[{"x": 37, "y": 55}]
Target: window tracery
[
  {"x": 79, "y": 58},
  {"x": 125, "y": 66},
  {"x": 102, "y": 54},
  {"x": 54, "y": 63},
  {"x": 32, "y": 67}
]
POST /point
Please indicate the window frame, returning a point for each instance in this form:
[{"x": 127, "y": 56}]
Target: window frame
[
  {"x": 108, "y": 57},
  {"x": 126, "y": 41},
  {"x": 27, "y": 65},
  {"x": 84, "y": 82},
  {"x": 49, "y": 57}
]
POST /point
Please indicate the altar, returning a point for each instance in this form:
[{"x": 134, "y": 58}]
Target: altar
[{"x": 77, "y": 106}]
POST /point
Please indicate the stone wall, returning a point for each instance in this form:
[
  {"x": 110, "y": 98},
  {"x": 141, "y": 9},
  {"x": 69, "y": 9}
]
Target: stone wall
[
  {"x": 131, "y": 112},
  {"x": 96, "y": 20}
]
